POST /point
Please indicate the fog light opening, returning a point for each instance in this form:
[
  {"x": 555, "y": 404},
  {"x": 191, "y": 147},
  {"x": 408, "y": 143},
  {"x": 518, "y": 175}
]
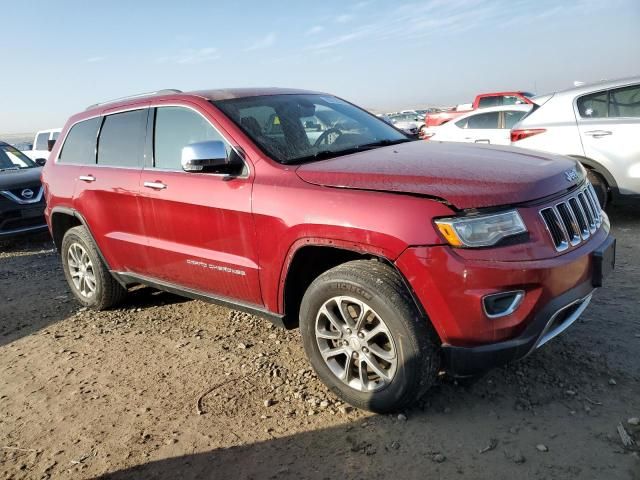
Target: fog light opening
[{"x": 502, "y": 304}]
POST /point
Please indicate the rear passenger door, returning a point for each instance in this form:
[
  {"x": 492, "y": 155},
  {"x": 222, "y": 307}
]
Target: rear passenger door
[
  {"x": 200, "y": 225},
  {"x": 609, "y": 125},
  {"x": 107, "y": 191}
]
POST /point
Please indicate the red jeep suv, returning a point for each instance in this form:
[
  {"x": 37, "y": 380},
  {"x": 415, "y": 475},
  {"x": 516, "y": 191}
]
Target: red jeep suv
[{"x": 395, "y": 258}]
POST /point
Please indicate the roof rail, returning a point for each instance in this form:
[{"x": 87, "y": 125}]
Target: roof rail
[{"x": 139, "y": 95}]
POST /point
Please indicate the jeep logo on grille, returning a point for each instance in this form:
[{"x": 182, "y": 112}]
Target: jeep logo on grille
[
  {"x": 27, "y": 194},
  {"x": 571, "y": 175}
]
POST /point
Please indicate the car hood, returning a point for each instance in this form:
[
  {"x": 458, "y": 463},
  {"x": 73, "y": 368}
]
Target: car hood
[
  {"x": 466, "y": 176},
  {"x": 16, "y": 178}
]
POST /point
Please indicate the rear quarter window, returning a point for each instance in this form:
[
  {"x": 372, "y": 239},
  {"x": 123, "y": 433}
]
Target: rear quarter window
[
  {"x": 511, "y": 117},
  {"x": 80, "y": 145}
]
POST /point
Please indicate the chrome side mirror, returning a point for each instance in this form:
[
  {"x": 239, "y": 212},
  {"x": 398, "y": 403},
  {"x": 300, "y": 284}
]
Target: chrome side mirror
[{"x": 202, "y": 156}]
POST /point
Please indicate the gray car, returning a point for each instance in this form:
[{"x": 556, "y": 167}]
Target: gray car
[{"x": 598, "y": 124}]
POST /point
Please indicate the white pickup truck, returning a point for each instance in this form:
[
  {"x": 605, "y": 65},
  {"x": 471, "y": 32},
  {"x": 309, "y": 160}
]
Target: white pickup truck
[{"x": 43, "y": 143}]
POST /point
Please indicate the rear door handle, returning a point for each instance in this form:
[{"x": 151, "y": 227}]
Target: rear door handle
[
  {"x": 87, "y": 178},
  {"x": 598, "y": 133},
  {"x": 155, "y": 185}
]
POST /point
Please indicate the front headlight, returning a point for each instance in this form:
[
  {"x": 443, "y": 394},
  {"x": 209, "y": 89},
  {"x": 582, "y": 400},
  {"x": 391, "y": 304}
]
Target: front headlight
[{"x": 481, "y": 231}]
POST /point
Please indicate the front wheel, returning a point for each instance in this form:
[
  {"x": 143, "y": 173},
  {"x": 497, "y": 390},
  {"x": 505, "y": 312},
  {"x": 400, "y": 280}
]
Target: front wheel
[
  {"x": 600, "y": 186},
  {"x": 366, "y": 339}
]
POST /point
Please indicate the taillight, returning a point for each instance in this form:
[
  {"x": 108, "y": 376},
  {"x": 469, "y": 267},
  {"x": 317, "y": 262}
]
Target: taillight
[{"x": 517, "y": 135}]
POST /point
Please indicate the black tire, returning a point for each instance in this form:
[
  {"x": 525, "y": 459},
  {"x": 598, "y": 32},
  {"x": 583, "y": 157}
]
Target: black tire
[
  {"x": 108, "y": 292},
  {"x": 600, "y": 186},
  {"x": 416, "y": 343}
]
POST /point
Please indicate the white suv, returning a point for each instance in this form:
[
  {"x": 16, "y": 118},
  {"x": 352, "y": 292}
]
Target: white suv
[{"x": 598, "y": 124}]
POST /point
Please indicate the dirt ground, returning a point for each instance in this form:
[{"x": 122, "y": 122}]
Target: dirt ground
[{"x": 115, "y": 394}]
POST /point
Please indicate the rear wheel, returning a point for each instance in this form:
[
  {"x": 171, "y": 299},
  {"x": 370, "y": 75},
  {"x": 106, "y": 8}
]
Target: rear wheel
[
  {"x": 87, "y": 275},
  {"x": 600, "y": 186},
  {"x": 365, "y": 337}
]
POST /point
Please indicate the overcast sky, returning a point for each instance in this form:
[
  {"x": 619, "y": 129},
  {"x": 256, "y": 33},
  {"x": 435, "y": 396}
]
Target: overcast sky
[{"x": 58, "y": 57}]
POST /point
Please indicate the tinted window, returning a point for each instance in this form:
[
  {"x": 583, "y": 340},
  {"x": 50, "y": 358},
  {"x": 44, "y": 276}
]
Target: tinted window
[
  {"x": 511, "y": 100},
  {"x": 490, "y": 102},
  {"x": 55, "y": 135},
  {"x": 122, "y": 139},
  {"x": 593, "y": 106},
  {"x": 177, "y": 127},
  {"x": 484, "y": 120},
  {"x": 625, "y": 102},
  {"x": 42, "y": 141},
  {"x": 511, "y": 117},
  {"x": 80, "y": 145}
]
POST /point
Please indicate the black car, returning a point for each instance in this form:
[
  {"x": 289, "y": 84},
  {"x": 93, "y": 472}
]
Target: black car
[{"x": 21, "y": 194}]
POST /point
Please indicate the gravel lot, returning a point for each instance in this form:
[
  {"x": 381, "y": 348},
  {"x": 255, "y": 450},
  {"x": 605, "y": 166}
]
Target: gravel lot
[{"x": 116, "y": 394}]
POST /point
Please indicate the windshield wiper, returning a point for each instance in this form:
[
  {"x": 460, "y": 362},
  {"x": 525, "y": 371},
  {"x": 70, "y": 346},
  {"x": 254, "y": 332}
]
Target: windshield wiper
[
  {"x": 385, "y": 143},
  {"x": 325, "y": 154}
]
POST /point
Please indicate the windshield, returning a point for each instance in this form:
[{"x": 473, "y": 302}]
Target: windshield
[
  {"x": 307, "y": 127},
  {"x": 13, "y": 159}
]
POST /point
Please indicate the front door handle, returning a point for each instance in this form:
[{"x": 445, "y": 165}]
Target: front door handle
[
  {"x": 155, "y": 185},
  {"x": 87, "y": 178},
  {"x": 598, "y": 133}
]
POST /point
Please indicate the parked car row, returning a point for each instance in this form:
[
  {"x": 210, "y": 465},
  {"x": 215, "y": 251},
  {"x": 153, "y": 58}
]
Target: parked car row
[
  {"x": 484, "y": 100},
  {"x": 488, "y": 125},
  {"x": 597, "y": 124}
]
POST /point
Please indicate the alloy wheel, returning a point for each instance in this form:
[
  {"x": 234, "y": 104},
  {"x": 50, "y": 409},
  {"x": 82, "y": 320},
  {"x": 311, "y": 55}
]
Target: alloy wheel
[
  {"x": 356, "y": 344},
  {"x": 81, "y": 270}
]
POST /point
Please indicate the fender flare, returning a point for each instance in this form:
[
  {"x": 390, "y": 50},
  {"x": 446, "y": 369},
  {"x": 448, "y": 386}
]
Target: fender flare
[
  {"x": 324, "y": 242},
  {"x": 74, "y": 213},
  {"x": 598, "y": 168}
]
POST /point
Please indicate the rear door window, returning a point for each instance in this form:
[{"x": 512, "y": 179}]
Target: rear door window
[
  {"x": 122, "y": 139},
  {"x": 625, "y": 102},
  {"x": 80, "y": 145}
]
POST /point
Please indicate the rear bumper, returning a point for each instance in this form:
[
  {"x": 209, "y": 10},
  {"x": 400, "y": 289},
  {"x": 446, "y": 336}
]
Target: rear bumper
[{"x": 549, "y": 322}]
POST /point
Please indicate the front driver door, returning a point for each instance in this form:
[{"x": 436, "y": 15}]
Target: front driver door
[{"x": 200, "y": 226}]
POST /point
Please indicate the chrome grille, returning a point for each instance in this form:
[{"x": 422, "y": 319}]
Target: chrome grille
[{"x": 573, "y": 220}]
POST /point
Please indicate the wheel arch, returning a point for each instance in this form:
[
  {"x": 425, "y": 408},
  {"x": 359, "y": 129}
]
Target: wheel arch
[
  {"x": 306, "y": 261},
  {"x": 598, "y": 168},
  {"x": 63, "y": 219}
]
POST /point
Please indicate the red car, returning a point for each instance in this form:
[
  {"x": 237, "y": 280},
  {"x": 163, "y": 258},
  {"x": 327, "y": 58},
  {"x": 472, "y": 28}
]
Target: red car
[
  {"x": 395, "y": 258},
  {"x": 483, "y": 100}
]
